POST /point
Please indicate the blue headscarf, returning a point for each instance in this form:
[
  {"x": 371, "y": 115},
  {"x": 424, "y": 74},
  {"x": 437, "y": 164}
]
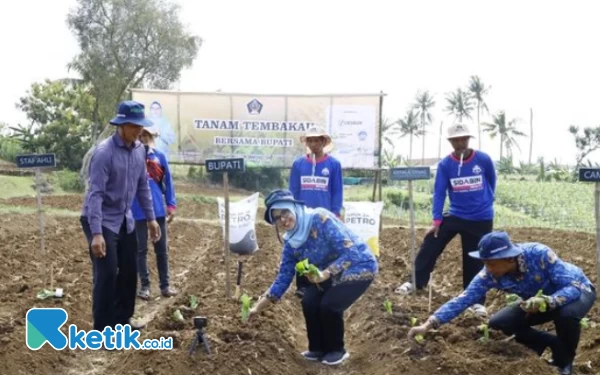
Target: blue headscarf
[{"x": 297, "y": 235}]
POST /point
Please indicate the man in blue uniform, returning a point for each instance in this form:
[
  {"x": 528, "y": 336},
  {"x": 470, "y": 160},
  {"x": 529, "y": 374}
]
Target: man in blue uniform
[
  {"x": 468, "y": 178},
  {"x": 550, "y": 289},
  {"x": 316, "y": 179}
]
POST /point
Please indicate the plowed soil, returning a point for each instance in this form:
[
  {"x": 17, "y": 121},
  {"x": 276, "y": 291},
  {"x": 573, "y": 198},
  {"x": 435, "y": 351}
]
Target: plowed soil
[{"x": 271, "y": 343}]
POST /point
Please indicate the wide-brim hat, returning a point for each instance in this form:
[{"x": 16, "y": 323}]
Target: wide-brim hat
[
  {"x": 131, "y": 112},
  {"x": 459, "y": 131},
  {"x": 279, "y": 195},
  {"x": 496, "y": 245},
  {"x": 315, "y": 132}
]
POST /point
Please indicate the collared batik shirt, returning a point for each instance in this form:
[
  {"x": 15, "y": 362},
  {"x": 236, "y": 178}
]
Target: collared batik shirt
[
  {"x": 330, "y": 246},
  {"x": 539, "y": 268}
]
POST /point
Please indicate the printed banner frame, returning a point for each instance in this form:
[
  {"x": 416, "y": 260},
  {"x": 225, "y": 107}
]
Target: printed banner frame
[{"x": 264, "y": 129}]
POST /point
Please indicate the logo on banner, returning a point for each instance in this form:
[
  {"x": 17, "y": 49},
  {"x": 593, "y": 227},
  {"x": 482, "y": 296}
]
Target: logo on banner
[{"x": 254, "y": 107}]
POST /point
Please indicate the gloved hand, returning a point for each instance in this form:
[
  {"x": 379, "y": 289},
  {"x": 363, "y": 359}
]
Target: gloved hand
[
  {"x": 319, "y": 278},
  {"x": 536, "y": 304}
]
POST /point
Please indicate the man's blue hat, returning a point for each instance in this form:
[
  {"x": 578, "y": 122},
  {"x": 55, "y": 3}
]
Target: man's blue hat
[
  {"x": 496, "y": 245},
  {"x": 131, "y": 112},
  {"x": 279, "y": 195}
]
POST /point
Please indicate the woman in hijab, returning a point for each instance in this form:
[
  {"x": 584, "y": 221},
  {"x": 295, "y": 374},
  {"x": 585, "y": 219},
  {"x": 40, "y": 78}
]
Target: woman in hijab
[{"x": 346, "y": 268}]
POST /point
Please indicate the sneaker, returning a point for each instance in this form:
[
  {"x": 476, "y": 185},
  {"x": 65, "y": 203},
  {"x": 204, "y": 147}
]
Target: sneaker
[
  {"x": 405, "y": 289},
  {"x": 312, "y": 356},
  {"x": 335, "y": 358},
  {"x": 168, "y": 292},
  {"x": 136, "y": 326},
  {"x": 478, "y": 310},
  {"x": 144, "y": 293}
]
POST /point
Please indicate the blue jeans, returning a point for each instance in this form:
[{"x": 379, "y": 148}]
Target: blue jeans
[
  {"x": 513, "y": 320},
  {"x": 160, "y": 248}
]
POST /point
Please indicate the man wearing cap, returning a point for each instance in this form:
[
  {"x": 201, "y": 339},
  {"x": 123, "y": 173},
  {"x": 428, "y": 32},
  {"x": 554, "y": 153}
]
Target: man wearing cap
[
  {"x": 549, "y": 289},
  {"x": 117, "y": 174},
  {"x": 316, "y": 179},
  {"x": 468, "y": 178}
]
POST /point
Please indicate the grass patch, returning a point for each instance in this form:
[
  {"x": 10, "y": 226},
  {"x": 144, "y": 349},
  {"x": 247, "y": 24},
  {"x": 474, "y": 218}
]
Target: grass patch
[{"x": 10, "y": 209}]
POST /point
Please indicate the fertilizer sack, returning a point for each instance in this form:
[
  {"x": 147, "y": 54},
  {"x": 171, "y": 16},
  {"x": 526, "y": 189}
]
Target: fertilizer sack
[
  {"x": 363, "y": 219},
  {"x": 242, "y": 219}
]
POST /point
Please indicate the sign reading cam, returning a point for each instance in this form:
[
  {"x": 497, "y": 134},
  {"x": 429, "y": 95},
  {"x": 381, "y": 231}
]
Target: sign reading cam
[{"x": 589, "y": 174}]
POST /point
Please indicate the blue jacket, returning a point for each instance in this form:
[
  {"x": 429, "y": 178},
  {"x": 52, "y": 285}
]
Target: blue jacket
[
  {"x": 330, "y": 246},
  {"x": 539, "y": 268},
  {"x": 470, "y": 186},
  {"x": 321, "y": 187},
  {"x": 158, "y": 197}
]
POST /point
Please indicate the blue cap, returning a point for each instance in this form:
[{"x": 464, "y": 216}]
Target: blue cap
[
  {"x": 279, "y": 195},
  {"x": 496, "y": 245},
  {"x": 131, "y": 112}
]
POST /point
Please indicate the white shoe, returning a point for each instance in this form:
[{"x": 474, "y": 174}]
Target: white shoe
[
  {"x": 478, "y": 310},
  {"x": 405, "y": 289}
]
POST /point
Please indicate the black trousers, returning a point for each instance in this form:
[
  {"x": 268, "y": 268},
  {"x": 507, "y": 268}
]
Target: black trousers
[
  {"x": 114, "y": 277},
  {"x": 324, "y": 313},
  {"x": 512, "y": 320},
  {"x": 161, "y": 250},
  {"x": 431, "y": 248}
]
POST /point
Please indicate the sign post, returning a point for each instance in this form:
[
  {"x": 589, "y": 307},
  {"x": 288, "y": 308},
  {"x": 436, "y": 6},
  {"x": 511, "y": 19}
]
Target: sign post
[
  {"x": 38, "y": 161},
  {"x": 410, "y": 174},
  {"x": 225, "y": 166},
  {"x": 593, "y": 175}
]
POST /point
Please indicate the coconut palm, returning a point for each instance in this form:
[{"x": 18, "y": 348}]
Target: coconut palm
[
  {"x": 424, "y": 103},
  {"x": 409, "y": 125},
  {"x": 479, "y": 91},
  {"x": 506, "y": 130},
  {"x": 459, "y": 104}
]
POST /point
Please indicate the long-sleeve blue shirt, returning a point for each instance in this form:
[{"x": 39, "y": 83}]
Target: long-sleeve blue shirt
[
  {"x": 330, "y": 246},
  {"x": 538, "y": 268},
  {"x": 117, "y": 174},
  {"x": 470, "y": 186},
  {"x": 318, "y": 185},
  {"x": 157, "y": 156}
]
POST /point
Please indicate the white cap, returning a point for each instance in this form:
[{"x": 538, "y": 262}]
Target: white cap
[
  {"x": 152, "y": 130},
  {"x": 459, "y": 130}
]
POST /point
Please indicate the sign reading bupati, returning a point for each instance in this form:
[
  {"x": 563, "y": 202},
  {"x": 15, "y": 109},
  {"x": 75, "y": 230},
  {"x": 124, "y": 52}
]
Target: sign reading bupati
[{"x": 265, "y": 130}]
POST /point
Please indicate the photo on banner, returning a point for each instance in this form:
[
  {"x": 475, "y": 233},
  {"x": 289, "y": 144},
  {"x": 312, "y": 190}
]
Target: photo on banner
[{"x": 263, "y": 129}]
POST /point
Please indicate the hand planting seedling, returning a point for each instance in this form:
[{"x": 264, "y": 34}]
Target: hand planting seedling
[
  {"x": 486, "y": 332},
  {"x": 512, "y": 299},
  {"x": 387, "y": 305},
  {"x": 193, "y": 302},
  {"x": 413, "y": 322},
  {"x": 304, "y": 268},
  {"x": 538, "y": 301},
  {"x": 245, "y": 306}
]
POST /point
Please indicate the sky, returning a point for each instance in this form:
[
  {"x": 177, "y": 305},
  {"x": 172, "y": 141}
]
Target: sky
[{"x": 534, "y": 54}]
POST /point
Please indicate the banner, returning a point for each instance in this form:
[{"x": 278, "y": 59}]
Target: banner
[{"x": 263, "y": 129}]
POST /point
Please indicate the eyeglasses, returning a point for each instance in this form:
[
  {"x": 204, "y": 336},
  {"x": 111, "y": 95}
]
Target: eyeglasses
[{"x": 283, "y": 213}]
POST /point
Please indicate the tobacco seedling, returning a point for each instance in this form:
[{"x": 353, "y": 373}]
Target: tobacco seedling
[
  {"x": 413, "y": 322},
  {"x": 486, "y": 332},
  {"x": 45, "y": 293},
  {"x": 177, "y": 316},
  {"x": 304, "y": 268},
  {"x": 512, "y": 299},
  {"x": 585, "y": 323},
  {"x": 387, "y": 305},
  {"x": 245, "y": 306},
  {"x": 193, "y": 302}
]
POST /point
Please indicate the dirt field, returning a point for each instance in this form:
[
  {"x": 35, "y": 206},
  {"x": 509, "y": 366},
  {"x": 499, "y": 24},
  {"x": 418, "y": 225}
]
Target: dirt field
[{"x": 270, "y": 345}]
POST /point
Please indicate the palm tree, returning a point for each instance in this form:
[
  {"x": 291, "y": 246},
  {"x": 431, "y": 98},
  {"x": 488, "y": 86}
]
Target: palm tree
[
  {"x": 506, "y": 130},
  {"x": 409, "y": 125},
  {"x": 424, "y": 104},
  {"x": 479, "y": 91},
  {"x": 389, "y": 130},
  {"x": 459, "y": 104}
]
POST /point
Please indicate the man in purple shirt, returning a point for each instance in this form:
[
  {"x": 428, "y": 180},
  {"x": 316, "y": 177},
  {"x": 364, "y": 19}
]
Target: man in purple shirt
[{"x": 117, "y": 174}]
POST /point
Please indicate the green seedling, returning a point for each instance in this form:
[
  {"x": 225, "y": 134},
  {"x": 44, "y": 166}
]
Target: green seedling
[
  {"x": 177, "y": 316},
  {"x": 585, "y": 323},
  {"x": 512, "y": 299},
  {"x": 486, "y": 332},
  {"x": 387, "y": 305},
  {"x": 193, "y": 302},
  {"x": 413, "y": 322},
  {"x": 245, "y": 306},
  {"x": 304, "y": 268},
  {"x": 45, "y": 293}
]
